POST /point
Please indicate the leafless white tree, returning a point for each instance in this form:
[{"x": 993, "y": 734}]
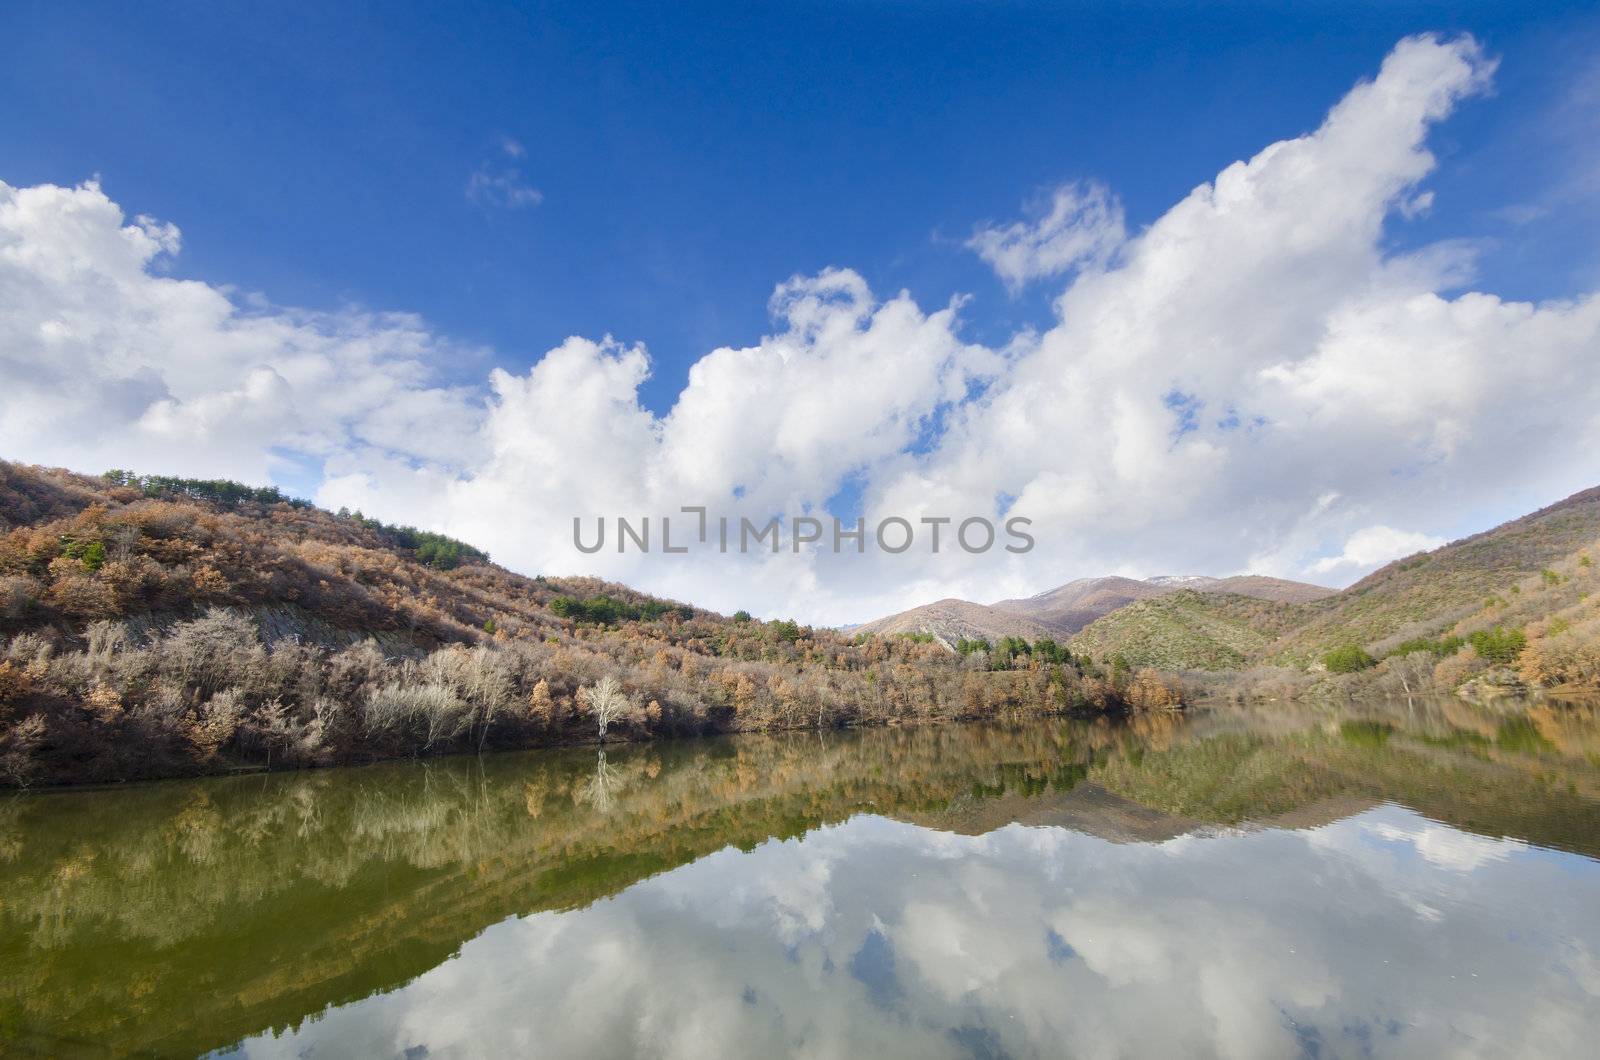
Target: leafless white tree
[{"x": 607, "y": 702}]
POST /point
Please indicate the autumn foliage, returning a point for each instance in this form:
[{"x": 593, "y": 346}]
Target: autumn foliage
[{"x": 151, "y": 631}]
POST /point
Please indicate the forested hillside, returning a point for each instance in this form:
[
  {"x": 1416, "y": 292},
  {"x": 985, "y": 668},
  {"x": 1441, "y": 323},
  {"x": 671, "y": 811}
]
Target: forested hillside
[
  {"x": 154, "y": 626},
  {"x": 1189, "y": 630},
  {"x": 1459, "y": 583},
  {"x": 1513, "y": 607},
  {"x": 1071, "y": 607}
]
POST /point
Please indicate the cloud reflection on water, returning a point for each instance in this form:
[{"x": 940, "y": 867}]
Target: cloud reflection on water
[{"x": 1380, "y": 934}]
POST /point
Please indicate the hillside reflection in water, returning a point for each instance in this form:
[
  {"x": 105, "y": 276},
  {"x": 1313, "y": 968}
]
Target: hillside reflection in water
[{"x": 1390, "y": 880}]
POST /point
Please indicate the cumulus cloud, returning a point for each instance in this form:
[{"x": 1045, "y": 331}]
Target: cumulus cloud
[
  {"x": 107, "y": 361},
  {"x": 1255, "y": 380},
  {"x": 1083, "y": 225},
  {"x": 1373, "y": 546}
]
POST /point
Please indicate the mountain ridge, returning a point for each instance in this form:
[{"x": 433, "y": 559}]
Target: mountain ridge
[
  {"x": 1528, "y": 581},
  {"x": 951, "y": 620},
  {"x": 1530, "y": 575},
  {"x": 1061, "y": 612}
]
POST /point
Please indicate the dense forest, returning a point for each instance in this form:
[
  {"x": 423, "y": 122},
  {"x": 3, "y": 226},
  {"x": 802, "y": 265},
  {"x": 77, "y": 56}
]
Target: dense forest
[{"x": 154, "y": 626}]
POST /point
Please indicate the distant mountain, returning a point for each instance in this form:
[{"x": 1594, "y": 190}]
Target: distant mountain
[
  {"x": 1260, "y": 587},
  {"x": 1537, "y": 573},
  {"x": 1073, "y": 606},
  {"x": 1182, "y": 581},
  {"x": 954, "y": 620},
  {"x": 1061, "y": 612},
  {"x": 1069, "y": 608}
]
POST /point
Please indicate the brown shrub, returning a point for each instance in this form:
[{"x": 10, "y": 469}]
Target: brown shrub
[
  {"x": 1149, "y": 690},
  {"x": 82, "y": 596},
  {"x": 214, "y": 724},
  {"x": 19, "y": 744},
  {"x": 1453, "y": 671},
  {"x": 18, "y": 595},
  {"x": 133, "y": 582}
]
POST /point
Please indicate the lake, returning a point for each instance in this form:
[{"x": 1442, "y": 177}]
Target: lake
[{"x": 1410, "y": 879}]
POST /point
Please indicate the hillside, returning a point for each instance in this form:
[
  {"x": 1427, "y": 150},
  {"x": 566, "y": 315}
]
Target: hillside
[
  {"x": 78, "y": 550},
  {"x": 1529, "y": 580},
  {"x": 1068, "y": 608},
  {"x": 1258, "y": 586},
  {"x": 952, "y": 621},
  {"x": 154, "y": 626},
  {"x": 1188, "y": 630},
  {"x": 1432, "y": 592},
  {"x": 1261, "y": 587}
]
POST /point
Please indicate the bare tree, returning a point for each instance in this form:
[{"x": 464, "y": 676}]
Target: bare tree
[
  {"x": 607, "y": 703},
  {"x": 444, "y": 716},
  {"x": 1411, "y": 674},
  {"x": 430, "y": 713},
  {"x": 480, "y": 676}
]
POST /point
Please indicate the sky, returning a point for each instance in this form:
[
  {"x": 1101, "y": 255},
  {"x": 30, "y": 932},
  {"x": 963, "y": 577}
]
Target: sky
[{"x": 1197, "y": 290}]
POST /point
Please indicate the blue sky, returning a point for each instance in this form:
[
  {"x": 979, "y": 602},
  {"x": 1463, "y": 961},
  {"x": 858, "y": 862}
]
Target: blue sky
[
  {"x": 1302, "y": 316},
  {"x": 691, "y": 156}
]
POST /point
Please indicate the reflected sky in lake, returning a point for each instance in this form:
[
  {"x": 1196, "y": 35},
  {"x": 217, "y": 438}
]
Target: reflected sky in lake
[
  {"x": 1382, "y": 933},
  {"x": 1414, "y": 879}
]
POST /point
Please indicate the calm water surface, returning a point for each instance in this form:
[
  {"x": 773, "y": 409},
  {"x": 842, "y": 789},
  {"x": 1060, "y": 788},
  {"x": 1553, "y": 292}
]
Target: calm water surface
[{"x": 1393, "y": 880}]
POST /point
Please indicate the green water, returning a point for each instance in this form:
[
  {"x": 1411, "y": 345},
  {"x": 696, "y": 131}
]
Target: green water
[{"x": 1396, "y": 879}]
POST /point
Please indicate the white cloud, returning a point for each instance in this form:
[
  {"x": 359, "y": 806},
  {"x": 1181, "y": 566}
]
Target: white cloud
[
  {"x": 501, "y": 185},
  {"x": 108, "y": 363},
  {"x": 1416, "y": 206},
  {"x": 1373, "y": 546},
  {"x": 1083, "y": 226},
  {"x": 1251, "y": 381},
  {"x": 1301, "y": 359},
  {"x": 1451, "y": 849}
]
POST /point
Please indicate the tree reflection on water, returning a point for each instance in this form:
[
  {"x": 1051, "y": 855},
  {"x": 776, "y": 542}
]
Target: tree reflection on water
[{"x": 185, "y": 916}]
